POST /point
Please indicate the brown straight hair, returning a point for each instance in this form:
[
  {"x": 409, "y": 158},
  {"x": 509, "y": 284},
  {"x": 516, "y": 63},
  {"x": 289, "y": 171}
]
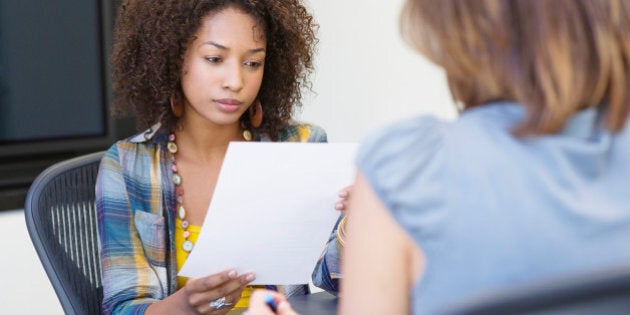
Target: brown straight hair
[{"x": 555, "y": 57}]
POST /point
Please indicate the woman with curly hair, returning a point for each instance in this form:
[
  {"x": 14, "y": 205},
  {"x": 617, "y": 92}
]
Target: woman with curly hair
[{"x": 196, "y": 75}]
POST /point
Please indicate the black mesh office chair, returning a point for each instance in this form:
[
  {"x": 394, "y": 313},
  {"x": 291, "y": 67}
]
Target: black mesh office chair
[
  {"x": 61, "y": 219},
  {"x": 605, "y": 292}
]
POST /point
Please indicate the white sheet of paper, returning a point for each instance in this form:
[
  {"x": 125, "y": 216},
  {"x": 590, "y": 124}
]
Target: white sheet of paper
[{"x": 272, "y": 210}]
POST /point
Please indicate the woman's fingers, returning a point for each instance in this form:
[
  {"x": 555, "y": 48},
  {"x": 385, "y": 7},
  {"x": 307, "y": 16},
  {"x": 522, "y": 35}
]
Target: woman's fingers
[
  {"x": 343, "y": 195},
  {"x": 260, "y": 300},
  {"x": 340, "y": 206},
  {"x": 284, "y": 308},
  {"x": 217, "y": 292},
  {"x": 210, "y": 282},
  {"x": 221, "y": 305},
  {"x": 234, "y": 286}
]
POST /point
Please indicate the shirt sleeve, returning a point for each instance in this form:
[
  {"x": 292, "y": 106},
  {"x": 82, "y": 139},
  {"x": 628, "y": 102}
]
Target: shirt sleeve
[
  {"x": 316, "y": 134},
  {"x": 404, "y": 165},
  {"x": 327, "y": 272},
  {"x": 128, "y": 284}
]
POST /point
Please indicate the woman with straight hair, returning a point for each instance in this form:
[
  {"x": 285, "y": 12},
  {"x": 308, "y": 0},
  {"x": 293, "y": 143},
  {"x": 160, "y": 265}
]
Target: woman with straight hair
[{"x": 528, "y": 184}]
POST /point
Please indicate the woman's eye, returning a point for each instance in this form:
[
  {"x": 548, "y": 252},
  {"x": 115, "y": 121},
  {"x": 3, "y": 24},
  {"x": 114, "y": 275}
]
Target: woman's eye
[
  {"x": 213, "y": 59},
  {"x": 253, "y": 64}
]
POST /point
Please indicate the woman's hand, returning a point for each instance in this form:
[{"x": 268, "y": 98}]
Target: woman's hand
[
  {"x": 215, "y": 294},
  {"x": 342, "y": 204},
  {"x": 258, "y": 304}
]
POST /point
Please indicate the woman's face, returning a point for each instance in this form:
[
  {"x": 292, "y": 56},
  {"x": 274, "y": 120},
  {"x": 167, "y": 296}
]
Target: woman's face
[{"x": 223, "y": 67}]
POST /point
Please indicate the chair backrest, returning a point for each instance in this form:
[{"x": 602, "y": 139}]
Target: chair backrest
[
  {"x": 605, "y": 292},
  {"x": 61, "y": 219}
]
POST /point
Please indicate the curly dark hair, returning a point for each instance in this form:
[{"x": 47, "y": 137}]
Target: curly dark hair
[{"x": 151, "y": 37}]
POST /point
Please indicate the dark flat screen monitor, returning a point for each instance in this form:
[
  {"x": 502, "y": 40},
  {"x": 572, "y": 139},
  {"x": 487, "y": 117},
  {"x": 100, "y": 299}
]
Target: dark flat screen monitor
[{"x": 54, "y": 89}]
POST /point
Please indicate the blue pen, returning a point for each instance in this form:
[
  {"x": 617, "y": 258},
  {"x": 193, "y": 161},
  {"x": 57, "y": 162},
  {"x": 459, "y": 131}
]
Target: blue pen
[{"x": 271, "y": 302}]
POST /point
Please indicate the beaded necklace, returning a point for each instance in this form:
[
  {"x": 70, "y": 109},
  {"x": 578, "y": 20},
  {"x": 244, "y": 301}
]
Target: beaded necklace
[{"x": 187, "y": 246}]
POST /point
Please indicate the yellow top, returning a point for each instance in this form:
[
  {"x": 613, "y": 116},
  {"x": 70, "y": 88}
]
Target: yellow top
[{"x": 181, "y": 255}]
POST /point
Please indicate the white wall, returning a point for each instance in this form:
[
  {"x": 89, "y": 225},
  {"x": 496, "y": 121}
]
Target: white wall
[
  {"x": 25, "y": 288},
  {"x": 365, "y": 78}
]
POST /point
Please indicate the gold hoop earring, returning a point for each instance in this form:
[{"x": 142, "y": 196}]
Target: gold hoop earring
[
  {"x": 176, "y": 107},
  {"x": 256, "y": 114}
]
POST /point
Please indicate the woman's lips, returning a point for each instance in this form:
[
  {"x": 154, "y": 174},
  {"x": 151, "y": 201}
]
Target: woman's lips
[{"x": 228, "y": 105}]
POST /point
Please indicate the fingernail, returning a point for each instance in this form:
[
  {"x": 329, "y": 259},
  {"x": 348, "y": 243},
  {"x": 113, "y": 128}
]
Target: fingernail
[
  {"x": 232, "y": 274},
  {"x": 339, "y": 206},
  {"x": 343, "y": 194},
  {"x": 250, "y": 277}
]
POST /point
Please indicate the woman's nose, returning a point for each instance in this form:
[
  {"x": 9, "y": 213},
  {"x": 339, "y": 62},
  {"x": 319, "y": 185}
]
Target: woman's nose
[{"x": 233, "y": 77}]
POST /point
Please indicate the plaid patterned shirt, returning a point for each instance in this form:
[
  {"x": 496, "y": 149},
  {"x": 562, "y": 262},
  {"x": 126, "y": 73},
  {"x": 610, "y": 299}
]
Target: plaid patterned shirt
[{"x": 135, "y": 202}]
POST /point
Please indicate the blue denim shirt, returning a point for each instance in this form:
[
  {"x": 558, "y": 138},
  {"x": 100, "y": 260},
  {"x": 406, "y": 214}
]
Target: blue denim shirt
[
  {"x": 327, "y": 273},
  {"x": 490, "y": 210}
]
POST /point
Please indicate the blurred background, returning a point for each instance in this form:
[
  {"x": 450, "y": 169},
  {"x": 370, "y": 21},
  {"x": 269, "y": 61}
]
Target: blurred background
[{"x": 55, "y": 94}]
